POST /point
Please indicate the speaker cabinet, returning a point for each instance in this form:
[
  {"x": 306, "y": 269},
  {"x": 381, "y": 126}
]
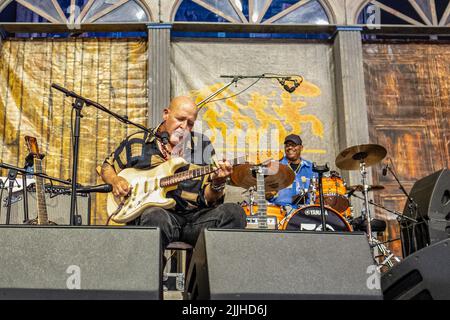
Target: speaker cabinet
[
  {"x": 58, "y": 207},
  {"x": 262, "y": 264},
  {"x": 57, "y": 262},
  {"x": 423, "y": 275},
  {"x": 432, "y": 195}
]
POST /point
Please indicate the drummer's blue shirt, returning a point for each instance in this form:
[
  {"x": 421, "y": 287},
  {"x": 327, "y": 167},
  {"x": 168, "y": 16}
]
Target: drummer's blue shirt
[{"x": 302, "y": 181}]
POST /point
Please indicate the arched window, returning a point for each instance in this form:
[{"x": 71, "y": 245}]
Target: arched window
[
  {"x": 409, "y": 12},
  {"x": 253, "y": 11},
  {"x": 74, "y": 12}
]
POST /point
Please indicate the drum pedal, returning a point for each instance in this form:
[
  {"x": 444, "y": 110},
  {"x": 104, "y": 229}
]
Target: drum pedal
[{"x": 262, "y": 222}]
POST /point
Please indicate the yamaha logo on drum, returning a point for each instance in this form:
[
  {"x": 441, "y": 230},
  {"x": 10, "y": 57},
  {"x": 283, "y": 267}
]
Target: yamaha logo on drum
[{"x": 314, "y": 212}]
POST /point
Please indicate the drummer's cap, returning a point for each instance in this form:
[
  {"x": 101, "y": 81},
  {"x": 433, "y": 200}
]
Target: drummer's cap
[{"x": 293, "y": 138}]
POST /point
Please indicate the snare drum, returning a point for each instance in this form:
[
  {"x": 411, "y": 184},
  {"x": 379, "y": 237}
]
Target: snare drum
[
  {"x": 272, "y": 210},
  {"x": 334, "y": 192},
  {"x": 309, "y": 218}
]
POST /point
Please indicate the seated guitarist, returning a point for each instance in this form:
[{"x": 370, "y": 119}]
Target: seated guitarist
[{"x": 199, "y": 202}]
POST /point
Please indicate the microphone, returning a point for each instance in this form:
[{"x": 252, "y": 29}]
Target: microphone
[
  {"x": 384, "y": 172},
  {"x": 282, "y": 81},
  {"x": 102, "y": 188},
  {"x": 164, "y": 136}
]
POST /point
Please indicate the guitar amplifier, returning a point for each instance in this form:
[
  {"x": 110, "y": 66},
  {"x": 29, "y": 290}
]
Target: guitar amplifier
[{"x": 58, "y": 207}]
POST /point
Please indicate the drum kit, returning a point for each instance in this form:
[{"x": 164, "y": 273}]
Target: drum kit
[{"x": 328, "y": 197}]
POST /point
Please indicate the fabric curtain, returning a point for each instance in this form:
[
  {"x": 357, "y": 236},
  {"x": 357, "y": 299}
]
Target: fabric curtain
[{"x": 112, "y": 72}]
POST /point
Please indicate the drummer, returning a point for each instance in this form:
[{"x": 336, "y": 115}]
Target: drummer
[{"x": 297, "y": 192}]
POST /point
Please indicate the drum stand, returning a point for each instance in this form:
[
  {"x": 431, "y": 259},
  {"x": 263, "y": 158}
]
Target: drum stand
[{"x": 373, "y": 242}]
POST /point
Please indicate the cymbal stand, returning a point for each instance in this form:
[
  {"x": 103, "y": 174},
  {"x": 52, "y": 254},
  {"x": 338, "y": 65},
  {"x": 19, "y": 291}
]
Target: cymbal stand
[
  {"x": 373, "y": 242},
  {"x": 385, "y": 252},
  {"x": 363, "y": 171}
]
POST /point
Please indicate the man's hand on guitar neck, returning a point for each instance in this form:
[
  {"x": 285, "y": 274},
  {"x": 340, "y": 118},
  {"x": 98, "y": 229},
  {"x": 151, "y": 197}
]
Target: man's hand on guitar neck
[
  {"x": 218, "y": 179},
  {"x": 224, "y": 170}
]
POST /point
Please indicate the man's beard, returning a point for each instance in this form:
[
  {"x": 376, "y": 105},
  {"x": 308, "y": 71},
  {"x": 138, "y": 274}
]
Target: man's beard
[{"x": 180, "y": 137}]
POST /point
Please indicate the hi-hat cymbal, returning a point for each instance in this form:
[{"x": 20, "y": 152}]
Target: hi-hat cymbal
[
  {"x": 360, "y": 188},
  {"x": 350, "y": 158},
  {"x": 277, "y": 177}
]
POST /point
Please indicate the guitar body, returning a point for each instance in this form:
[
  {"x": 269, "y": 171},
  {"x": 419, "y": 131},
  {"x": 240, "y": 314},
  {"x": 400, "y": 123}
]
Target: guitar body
[{"x": 146, "y": 191}]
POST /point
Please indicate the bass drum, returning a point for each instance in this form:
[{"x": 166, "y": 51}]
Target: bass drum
[{"x": 309, "y": 218}]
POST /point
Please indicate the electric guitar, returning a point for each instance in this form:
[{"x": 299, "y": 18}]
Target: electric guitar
[
  {"x": 149, "y": 188},
  {"x": 42, "y": 217}
]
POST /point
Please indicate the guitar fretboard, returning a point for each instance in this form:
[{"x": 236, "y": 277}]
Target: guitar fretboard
[
  {"x": 40, "y": 194},
  {"x": 194, "y": 173},
  {"x": 185, "y": 175},
  {"x": 260, "y": 192}
]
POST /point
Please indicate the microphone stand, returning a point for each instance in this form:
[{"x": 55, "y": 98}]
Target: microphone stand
[
  {"x": 412, "y": 208},
  {"x": 78, "y": 105},
  {"x": 12, "y": 175},
  {"x": 321, "y": 170},
  {"x": 398, "y": 214},
  {"x": 236, "y": 78},
  {"x": 412, "y": 205},
  {"x": 202, "y": 103}
]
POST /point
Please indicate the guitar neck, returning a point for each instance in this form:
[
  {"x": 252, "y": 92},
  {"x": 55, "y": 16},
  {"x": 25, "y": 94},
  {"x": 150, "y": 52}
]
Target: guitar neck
[
  {"x": 40, "y": 194},
  {"x": 260, "y": 193},
  {"x": 192, "y": 174}
]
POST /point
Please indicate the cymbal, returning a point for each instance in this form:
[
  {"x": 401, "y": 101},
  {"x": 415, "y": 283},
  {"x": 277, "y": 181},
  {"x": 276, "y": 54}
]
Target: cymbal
[
  {"x": 360, "y": 188},
  {"x": 350, "y": 158},
  {"x": 277, "y": 177}
]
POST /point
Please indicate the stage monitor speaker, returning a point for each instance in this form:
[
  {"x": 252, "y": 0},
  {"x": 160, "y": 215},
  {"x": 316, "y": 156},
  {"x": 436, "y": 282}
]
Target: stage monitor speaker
[
  {"x": 263, "y": 264},
  {"x": 58, "y": 207},
  {"x": 423, "y": 275},
  {"x": 63, "y": 262},
  {"x": 432, "y": 195}
]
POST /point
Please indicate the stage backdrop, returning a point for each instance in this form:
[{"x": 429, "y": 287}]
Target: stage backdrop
[
  {"x": 256, "y": 121},
  {"x": 408, "y": 88},
  {"x": 112, "y": 72}
]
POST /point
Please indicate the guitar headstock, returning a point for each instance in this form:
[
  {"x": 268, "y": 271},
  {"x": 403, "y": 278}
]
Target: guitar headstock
[{"x": 33, "y": 147}]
